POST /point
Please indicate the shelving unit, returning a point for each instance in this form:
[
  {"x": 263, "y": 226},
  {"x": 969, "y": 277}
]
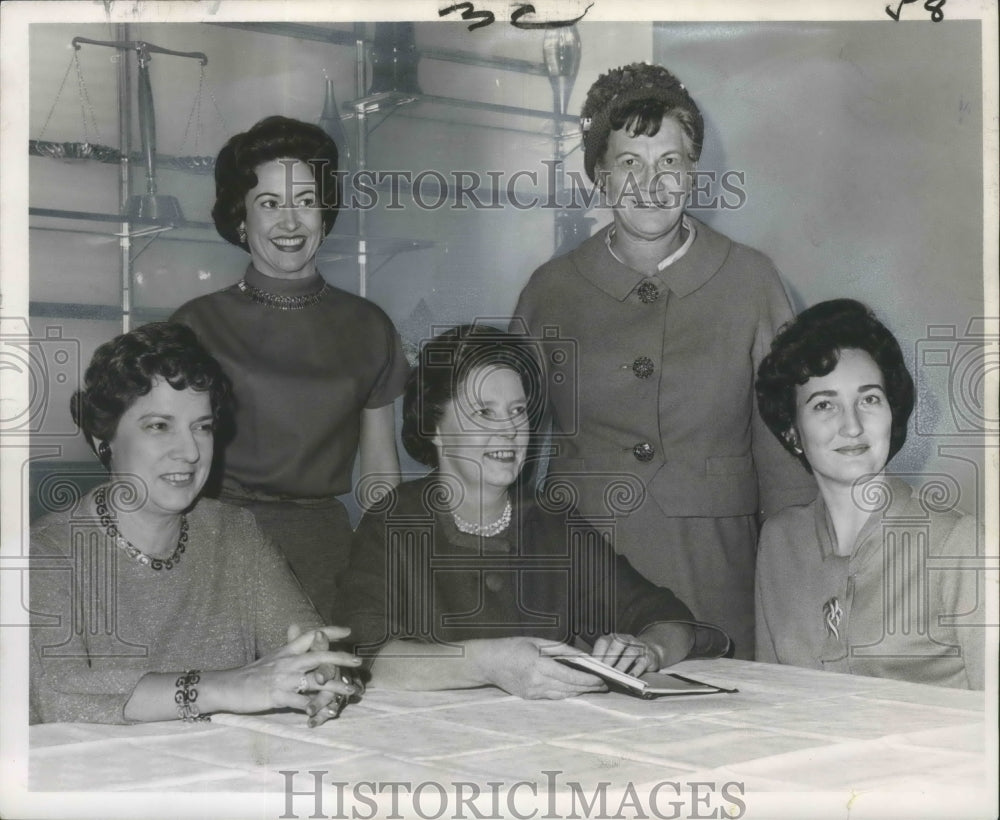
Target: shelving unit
[
  {"x": 358, "y": 112},
  {"x": 86, "y": 200}
]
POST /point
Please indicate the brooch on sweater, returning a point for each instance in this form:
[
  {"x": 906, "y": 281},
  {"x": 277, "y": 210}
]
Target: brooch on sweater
[{"x": 832, "y": 615}]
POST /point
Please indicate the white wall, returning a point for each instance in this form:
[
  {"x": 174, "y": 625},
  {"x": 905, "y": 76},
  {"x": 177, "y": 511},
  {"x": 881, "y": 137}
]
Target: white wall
[{"x": 862, "y": 148}]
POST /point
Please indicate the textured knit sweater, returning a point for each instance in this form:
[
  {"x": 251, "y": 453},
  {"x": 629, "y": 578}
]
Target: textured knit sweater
[{"x": 101, "y": 621}]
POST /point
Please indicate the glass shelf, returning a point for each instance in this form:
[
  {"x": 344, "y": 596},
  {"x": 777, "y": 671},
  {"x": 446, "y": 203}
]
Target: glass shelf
[
  {"x": 100, "y": 313},
  {"x": 330, "y": 33},
  {"x": 438, "y": 108},
  {"x": 341, "y": 246},
  {"x": 336, "y": 245},
  {"x": 91, "y": 216}
]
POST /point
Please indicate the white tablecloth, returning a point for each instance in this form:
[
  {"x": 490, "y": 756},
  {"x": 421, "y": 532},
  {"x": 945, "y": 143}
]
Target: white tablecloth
[{"x": 786, "y": 732}]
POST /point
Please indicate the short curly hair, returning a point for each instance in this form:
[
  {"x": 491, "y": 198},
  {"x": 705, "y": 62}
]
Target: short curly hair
[
  {"x": 272, "y": 138},
  {"x": 126, "y": 367},
  {"x": 636, "y": 97},
  {"x": 445, "y": 362},
  {"x": 810, "y": 346}
]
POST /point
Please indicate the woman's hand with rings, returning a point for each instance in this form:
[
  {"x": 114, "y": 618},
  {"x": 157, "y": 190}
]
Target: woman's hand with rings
[
  {"x": 322, "y": 705},
  {"x": 275, "y": 680}
]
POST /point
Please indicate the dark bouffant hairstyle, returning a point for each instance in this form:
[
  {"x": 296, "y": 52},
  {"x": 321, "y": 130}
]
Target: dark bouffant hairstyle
[
  {"x": 271, "y": 139},
  {"x": 810, "y": 345},
  {"x": 445, "y": 362},
  {"x": 125, "y": 368},
  {"x": 636, "y": 97}
]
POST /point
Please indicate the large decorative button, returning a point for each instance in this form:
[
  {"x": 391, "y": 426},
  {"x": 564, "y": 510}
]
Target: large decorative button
[
  {"x": 643, "y": 451},
  {"x": 643, "y": 367},
  {"x": 648, "y": 292},
  {"x": 494, "y": 581}
]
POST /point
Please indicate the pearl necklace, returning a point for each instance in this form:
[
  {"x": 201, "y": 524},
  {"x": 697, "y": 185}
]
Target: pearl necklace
[
  {"x": 108, "y": 521},
  {"x": 486, "y": 530},
  {"x": 275, "y": 300}
]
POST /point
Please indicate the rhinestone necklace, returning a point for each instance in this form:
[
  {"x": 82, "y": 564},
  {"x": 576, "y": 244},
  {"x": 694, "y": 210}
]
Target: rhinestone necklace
[
  {"x": 275, "y": 300},
  {"x": 486, "y": 530},
  {"x": 108, "y": 521}
]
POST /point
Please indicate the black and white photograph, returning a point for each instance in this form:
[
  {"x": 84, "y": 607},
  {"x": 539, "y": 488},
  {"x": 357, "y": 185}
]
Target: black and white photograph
[{"x": 493, "y": 409}]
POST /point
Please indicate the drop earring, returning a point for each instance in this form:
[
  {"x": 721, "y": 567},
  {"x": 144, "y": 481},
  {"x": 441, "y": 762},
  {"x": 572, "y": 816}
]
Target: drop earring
[
  {"x": 241, "y": 232},
  {"x": 602, "y": 182}
]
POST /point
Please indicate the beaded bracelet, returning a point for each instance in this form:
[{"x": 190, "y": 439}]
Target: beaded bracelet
[{"x": 186, "y": 696}]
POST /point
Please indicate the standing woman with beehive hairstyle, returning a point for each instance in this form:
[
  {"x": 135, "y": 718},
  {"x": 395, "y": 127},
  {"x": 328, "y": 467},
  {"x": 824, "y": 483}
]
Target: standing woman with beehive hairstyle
[
  {"x": 315, "y": 369},
  {"x": 669, "y": 319}
]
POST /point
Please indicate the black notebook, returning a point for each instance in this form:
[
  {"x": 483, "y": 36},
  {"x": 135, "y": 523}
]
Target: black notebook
[{"x": 648, "y": 685}]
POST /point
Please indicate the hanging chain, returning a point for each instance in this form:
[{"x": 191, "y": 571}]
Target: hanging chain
[
  {"x": 85, "y": 97},
  {"x": 55, "y": 102},
  {"x": 215, "y": 103},
  {"x": 194, "y": 113}
]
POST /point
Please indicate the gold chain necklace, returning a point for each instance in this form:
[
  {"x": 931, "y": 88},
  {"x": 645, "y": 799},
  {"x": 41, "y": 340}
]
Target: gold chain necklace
[{"x": 275, "y": 300}]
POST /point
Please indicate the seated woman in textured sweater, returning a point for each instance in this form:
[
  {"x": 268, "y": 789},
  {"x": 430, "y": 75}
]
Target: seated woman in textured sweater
[
  {"x": 148, "y": 604},
  {"x": 461, "y": 579},
  {"x": 873, "y": 577}
]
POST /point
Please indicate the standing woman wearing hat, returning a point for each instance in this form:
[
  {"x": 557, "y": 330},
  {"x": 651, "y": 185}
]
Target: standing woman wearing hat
[
  {"x": 670, "y": 320},
  {"x": 315, "y": 369}
]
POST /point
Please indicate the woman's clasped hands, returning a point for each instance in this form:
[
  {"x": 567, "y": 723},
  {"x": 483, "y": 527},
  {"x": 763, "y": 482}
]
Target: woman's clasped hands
[{"x": 304, "y": 674}]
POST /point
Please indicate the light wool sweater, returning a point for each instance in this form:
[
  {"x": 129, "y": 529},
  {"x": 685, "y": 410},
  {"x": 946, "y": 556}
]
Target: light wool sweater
[{"x": 907, "y": 603}]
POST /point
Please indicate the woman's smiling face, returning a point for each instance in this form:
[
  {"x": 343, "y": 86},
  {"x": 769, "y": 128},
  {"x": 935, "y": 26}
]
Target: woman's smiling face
[
  {"x": 844, "y": 421},
  {"x": 482, "y": 437},
  {"x": 164, "y": 443},
  {"x": 284, "y": 221}
]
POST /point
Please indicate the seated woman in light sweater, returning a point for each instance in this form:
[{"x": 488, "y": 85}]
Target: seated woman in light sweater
[
  {"x": 146, "y": 603},
  {"x": 874, "y": 577}
]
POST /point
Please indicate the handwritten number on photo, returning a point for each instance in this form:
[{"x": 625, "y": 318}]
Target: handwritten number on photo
[
  {"x": 933, "y": 6},
  {"x": 469, "y": 13},
  {"x": 527, "y": 8},
  {"x": 485, "y": 18}
]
